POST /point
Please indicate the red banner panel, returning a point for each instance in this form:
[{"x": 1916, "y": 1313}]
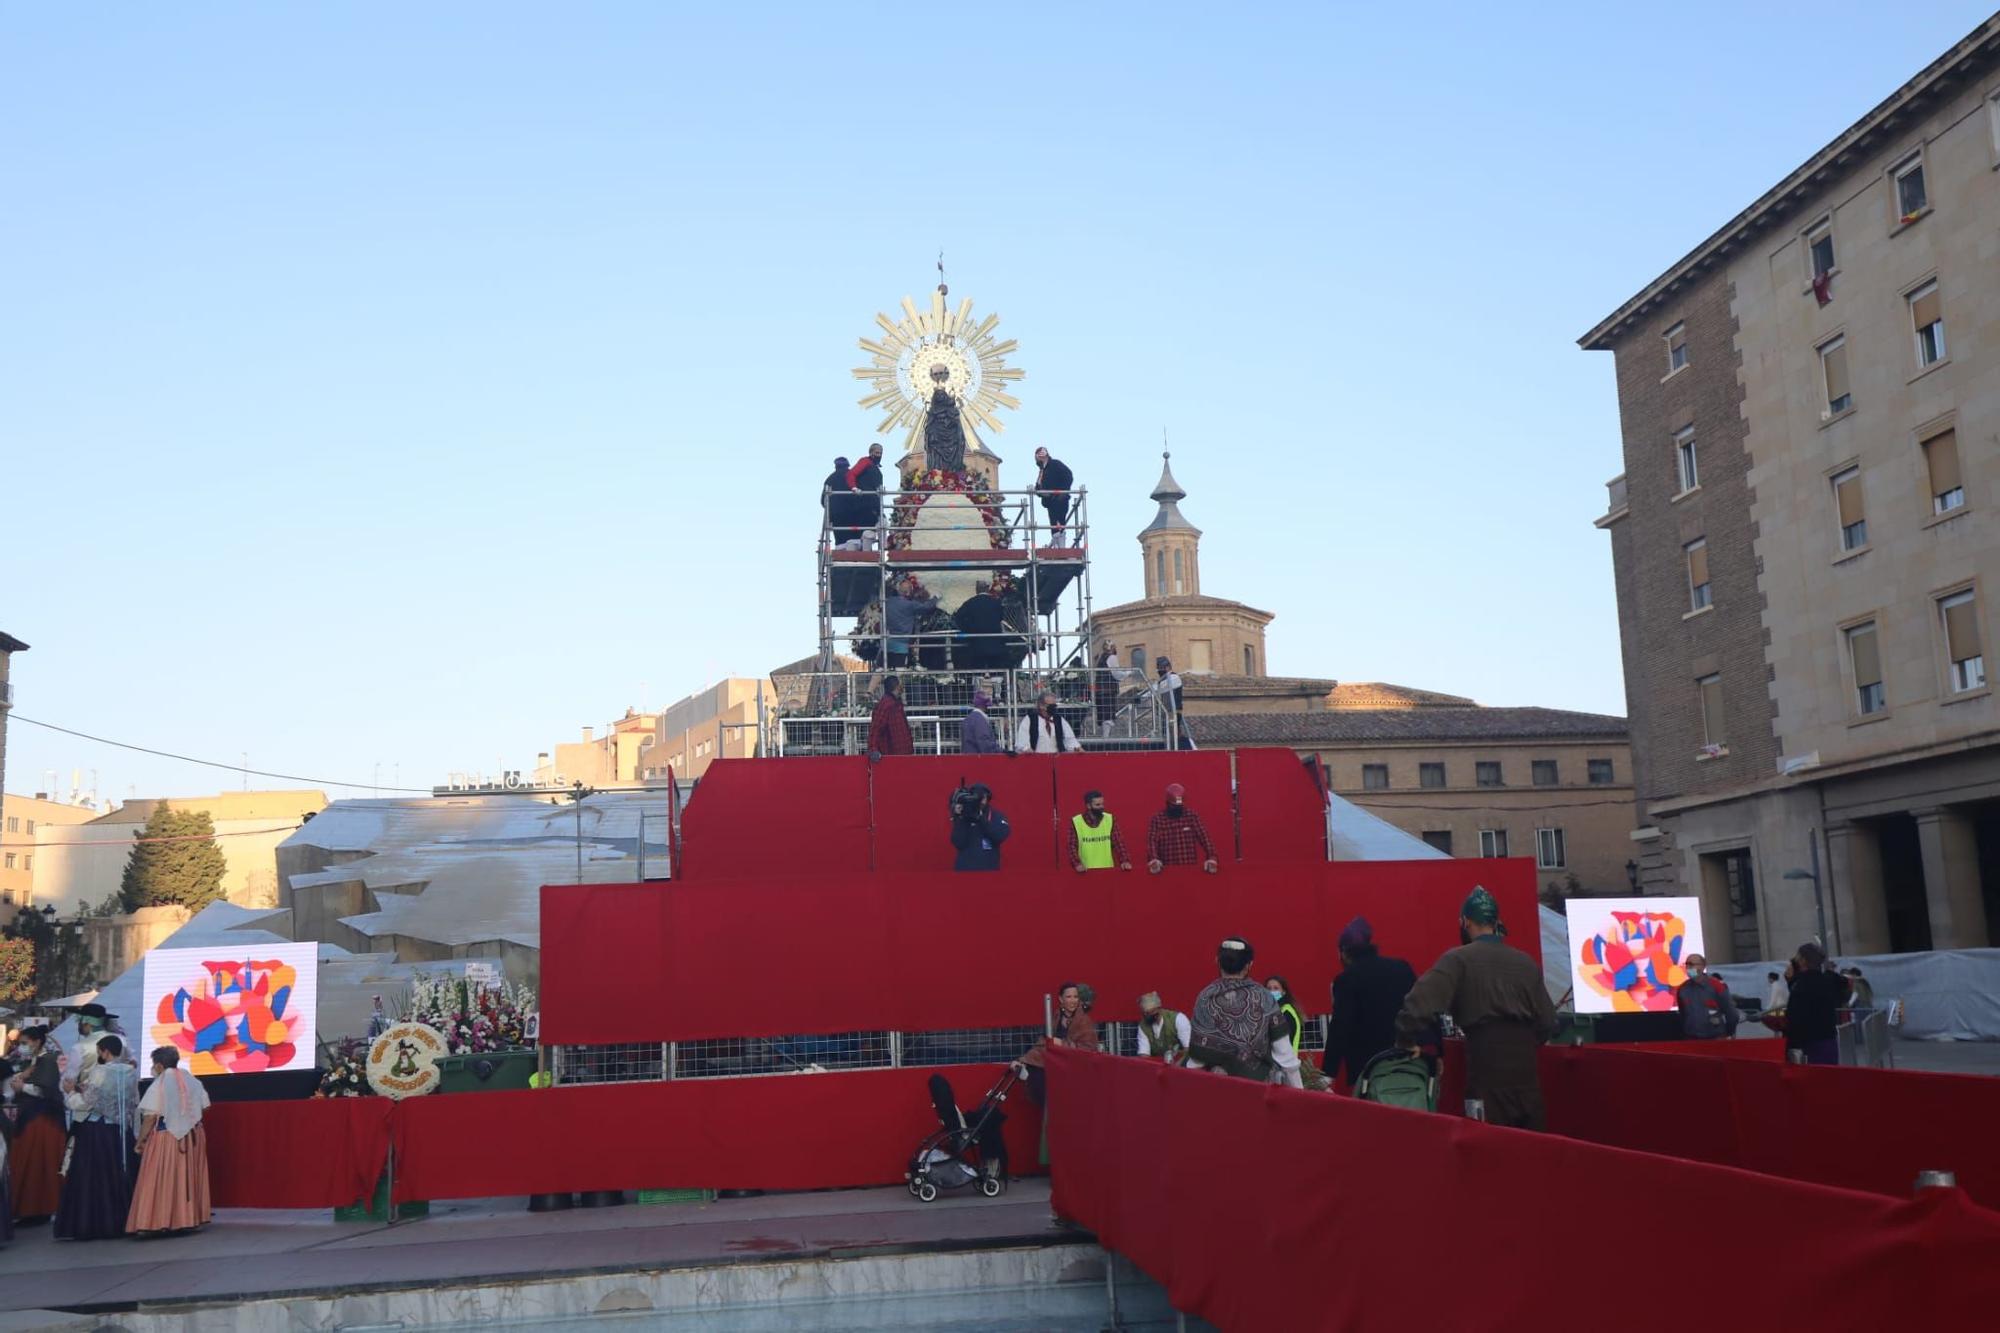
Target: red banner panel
[
  {"x": 785, "y": 1132},
  {"x": 1262, "y": 1207},
  {"x": 323, "y": 1153},
  {"x": 841, "y": 951},
  {"x": 745, "y": 815},
  {"x": 913, "y": 808},
  {"x": 1283, "y": 810}
]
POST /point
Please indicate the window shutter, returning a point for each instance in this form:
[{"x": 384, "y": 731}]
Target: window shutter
[
  {"x": 1867, "y": 660},
  {"x": 1711, "y": 711},
  {"x": 1961, "y": 629},
  {"x": 1698, "y": 565},
  {"x": 1928, "y": 308},
  {"x": 1836, "y": 371},
  {"x": 1941, "y": 453},
  {"x": 1848, "y": 492}
]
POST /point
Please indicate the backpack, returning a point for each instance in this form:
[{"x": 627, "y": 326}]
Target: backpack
[
  {"x": 1231, "y": 1027},
  {"x": 1398, "y": 1078}
]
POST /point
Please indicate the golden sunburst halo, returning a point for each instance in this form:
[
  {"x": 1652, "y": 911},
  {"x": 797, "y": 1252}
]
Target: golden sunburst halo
[{"x": 906, "y": 355}]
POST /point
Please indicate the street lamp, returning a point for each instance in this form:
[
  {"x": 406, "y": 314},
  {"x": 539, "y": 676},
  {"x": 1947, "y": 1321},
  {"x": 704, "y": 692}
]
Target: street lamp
[{"x": 1819, "y": 903}]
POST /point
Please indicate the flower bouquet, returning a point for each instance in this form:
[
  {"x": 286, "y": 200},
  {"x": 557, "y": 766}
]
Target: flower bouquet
[
  {"x": 476, "y": 1018},
  {"x": 346, "y": 1075}
]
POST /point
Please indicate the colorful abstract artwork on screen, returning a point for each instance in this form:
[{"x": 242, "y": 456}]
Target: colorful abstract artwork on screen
[
  {"x": 1628, "y": 955},
  {"x": 230, "y": 1012}
]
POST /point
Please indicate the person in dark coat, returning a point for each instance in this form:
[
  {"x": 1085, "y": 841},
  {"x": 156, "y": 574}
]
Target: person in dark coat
[
  {"x": 1053, "y": 484},
  {"x": 834, "y": 496},
  {"x": 982, "y": 627},
  {"x": 888, "y": 728},
  {"x": 864, "y": 479},
  {"x": 1812, "y": 1013},
  {"x": 1366, "y": 995}
]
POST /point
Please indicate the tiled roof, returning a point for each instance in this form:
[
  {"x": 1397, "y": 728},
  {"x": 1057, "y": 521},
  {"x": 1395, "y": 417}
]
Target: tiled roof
[
  {"x": 1381, "y": 694},
  {"x": 1343, "y": 726}
]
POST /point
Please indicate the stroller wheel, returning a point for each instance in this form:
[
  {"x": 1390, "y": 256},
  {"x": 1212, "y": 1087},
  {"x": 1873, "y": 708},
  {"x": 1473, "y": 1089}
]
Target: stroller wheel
[
  {"x": 927, "y": 1191},
  {"x": 911, "y": 1185},
  {"x": 990, "y": 1186}
]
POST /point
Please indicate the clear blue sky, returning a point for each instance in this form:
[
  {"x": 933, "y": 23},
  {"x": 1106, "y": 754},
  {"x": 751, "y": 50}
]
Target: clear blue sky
[{"x": 411, "y": 384}]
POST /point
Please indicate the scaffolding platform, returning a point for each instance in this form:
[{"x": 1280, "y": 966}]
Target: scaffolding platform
[{"x": 855, "y": 577}]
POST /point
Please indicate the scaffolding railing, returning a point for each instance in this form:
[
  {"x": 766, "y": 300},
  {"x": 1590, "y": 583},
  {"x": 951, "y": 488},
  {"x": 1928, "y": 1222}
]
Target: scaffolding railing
[
  {"x": 1002, "y": 537},
  {"x": 1108, "y": 708}
]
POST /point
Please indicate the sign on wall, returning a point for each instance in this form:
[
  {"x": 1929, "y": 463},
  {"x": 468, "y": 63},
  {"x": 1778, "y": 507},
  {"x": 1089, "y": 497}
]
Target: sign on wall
[
  {"x": 1629, "y": 955},
  {"x": 251, "y": 1009}
]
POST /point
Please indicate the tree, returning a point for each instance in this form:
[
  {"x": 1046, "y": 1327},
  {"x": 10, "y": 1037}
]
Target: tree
[
  {"x": 59, "y": 961},
  {"x": 17, "y": 971},
  {"x": 174, "y": 861}
]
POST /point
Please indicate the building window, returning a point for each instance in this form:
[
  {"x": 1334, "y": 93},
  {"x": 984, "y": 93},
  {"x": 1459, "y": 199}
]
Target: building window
[
  {"x": 1136, "y": 656},
  {"x": 1690, "y": 475},
  {"x": 1201, "y": 654},
  {"x": 10, "y": 860},
  {"x": 1697, "y": 568},
  {"x": 1819, "y": 248},
  {"x": 1865, "y": 658},
  {"x": 13, "y": 823},
  {"x": 1249, "y": 660},
  {"x": 1430, "y": 775},
  {"x": 1961, "y": 641},
  {"x": 1159, "y": 573},
  {"x": 1375, "y": 777},
  {"x": 1493, "y": 842},
  {"x": 1487, "y": 774},
  {"x": 1927, "y": 318},
  {"x": 1180, "y": 584},
  {"x": 31, "y": 826},
  {"x": 1440, "y": 839},
  {"x": 1543, "y": 771},
  {"x": 1710, "y": 689},
  {"x": 28, "y": 861},
  {"x": 1993, "y": 122},
  {"x": 1600, "y": 773},
  {"x": 1847, "y": 506},
  {"x": 1677, "y": 348},
  {"x": 1833, "y": 371},
  {"x": 1941, "y": 460},
  {"x": 1911, "y": 196},
  {"x": 1549, "y": 849}
]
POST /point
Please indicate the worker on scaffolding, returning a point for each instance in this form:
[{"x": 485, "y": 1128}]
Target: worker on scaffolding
[
  {"x": 1052, "y": 484},
  {"x": 864, "y": 479},
  {"x": 902, "y": 611}
]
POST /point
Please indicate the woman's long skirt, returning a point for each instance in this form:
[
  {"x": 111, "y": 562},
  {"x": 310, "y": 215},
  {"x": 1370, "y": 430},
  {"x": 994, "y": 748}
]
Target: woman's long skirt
[
  {"x": 172, "y": 1193},
  {"x": 34, "y": 1167},
  {"x": 97, "y": 1188}
]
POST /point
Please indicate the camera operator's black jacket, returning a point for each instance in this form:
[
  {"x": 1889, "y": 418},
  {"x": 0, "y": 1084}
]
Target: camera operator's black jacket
[{"x": 978, "y": 840}]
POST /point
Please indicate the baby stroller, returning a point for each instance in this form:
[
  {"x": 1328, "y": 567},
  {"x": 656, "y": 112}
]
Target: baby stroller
[{"x": 963, "y": 1149}]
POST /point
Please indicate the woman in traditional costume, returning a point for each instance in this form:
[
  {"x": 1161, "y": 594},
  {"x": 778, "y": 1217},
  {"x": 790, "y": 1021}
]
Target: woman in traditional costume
[
  {"x": 34, "y": 1158},
  {"x": 97, "y": 1183},
  {"x": 172, "y": 1192}
]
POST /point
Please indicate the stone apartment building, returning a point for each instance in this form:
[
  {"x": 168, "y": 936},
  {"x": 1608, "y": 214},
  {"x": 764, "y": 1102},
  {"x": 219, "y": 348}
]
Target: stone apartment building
[
  {"x": 29, "y": 820},
  {"x": 1806, "y": 539}
]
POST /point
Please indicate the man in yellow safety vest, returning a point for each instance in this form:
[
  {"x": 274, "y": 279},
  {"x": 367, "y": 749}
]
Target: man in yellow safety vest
[{"x": 1094, "y": 843}]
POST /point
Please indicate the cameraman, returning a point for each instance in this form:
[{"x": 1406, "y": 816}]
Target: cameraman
[{"x": 977, "y": 829}]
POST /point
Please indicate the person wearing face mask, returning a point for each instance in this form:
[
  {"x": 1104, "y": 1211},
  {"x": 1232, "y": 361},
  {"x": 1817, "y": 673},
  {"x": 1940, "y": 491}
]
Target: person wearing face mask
[
  {"x": 1288, "y": 1039},
  {"x": 34, "y": 1158},
  {"x": 1043, "y": 731},
  {"x": 1163, "y": 1034},
  {"x": 1707, "y": 1011},
  {"x": 1175, "y": 834},
  {"x": 1495, "y": 993},
  {"x": 1094, "y": 841}
]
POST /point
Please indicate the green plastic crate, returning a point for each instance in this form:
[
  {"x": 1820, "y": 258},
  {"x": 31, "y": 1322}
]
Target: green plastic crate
[
  {"x": 675, "y": 1196},
  {"x": 377, "y": 1208},
  {"x": 506, "y": 1071}
]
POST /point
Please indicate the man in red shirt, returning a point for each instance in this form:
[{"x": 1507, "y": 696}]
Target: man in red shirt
[
  {"x": 1175, "y": 833},
  {"x": 888, "y": 729}
]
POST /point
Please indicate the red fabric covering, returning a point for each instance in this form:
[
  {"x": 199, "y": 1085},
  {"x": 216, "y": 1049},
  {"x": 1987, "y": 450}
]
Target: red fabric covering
[
  {"x": 913, "y": 809},
  {"x": 1864, "y": 1129},
  {"x": 1135, "y": 785},
  {"x": 740, "y": 808},
  {"x": 841, "y": 952},
  {"x": 802, "y": 1131},
  {"x": 1282, "y": 1209},
  {"x": 324, "y": 1153},
  {"x": 1283, "y": 811}
]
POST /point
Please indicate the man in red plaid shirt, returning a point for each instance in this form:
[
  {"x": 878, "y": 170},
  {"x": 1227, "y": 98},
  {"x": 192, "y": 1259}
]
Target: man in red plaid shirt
[{"x": 1173, "y": 835}]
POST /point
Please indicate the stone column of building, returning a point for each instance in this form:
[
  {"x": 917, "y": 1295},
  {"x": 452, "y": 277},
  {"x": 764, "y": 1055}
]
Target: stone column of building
[
  {"x": 1950, "y": 845},
  {"x": 9, "y": 645},
  {"x": 1854, "y": 858}
]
